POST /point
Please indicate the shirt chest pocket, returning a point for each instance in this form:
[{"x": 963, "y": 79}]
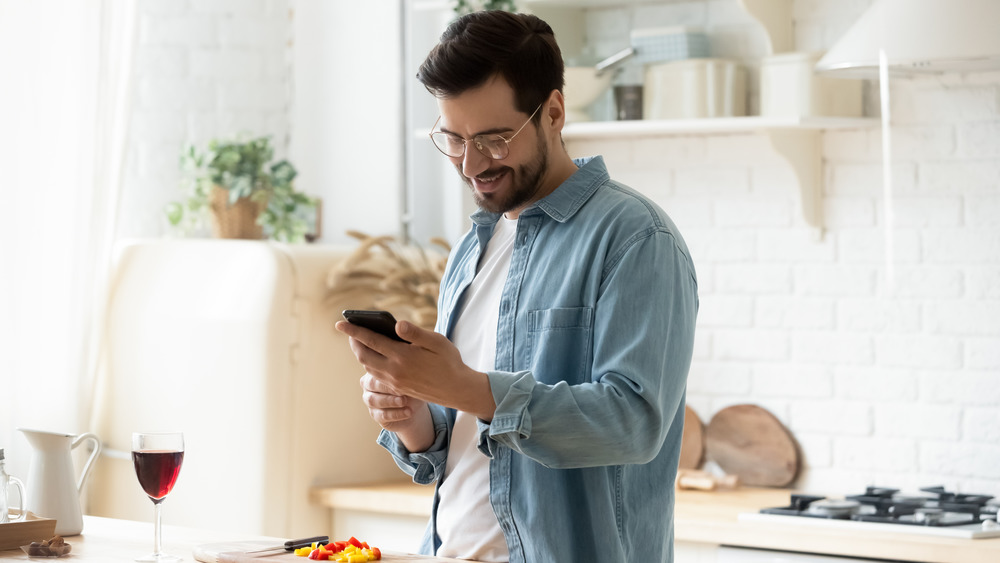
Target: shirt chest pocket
[{"x": 559, "y": 344}]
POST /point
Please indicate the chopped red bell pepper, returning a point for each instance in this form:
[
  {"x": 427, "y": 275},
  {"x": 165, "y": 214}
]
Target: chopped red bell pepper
[{"x": 334, "y": 549}]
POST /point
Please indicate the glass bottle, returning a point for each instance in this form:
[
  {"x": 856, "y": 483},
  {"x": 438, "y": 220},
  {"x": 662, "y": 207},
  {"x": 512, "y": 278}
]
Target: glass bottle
[{"x": 5, "y": 482}]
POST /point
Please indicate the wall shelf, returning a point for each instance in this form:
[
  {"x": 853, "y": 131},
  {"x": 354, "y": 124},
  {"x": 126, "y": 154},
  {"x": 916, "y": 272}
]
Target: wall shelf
[
  {"x": 795, "y": 139},
  {"x": 717, "y": 125}
]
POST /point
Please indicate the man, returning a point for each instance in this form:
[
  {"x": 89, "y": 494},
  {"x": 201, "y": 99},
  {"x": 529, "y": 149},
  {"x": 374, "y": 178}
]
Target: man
[{"x": 548, "y": 405}]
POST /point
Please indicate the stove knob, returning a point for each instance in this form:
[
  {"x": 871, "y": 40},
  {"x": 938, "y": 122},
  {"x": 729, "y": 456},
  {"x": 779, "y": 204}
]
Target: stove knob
[{"x": 929, "y": 516}]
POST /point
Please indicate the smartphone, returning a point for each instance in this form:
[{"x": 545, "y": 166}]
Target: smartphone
[{"x": 381, "y": 322}]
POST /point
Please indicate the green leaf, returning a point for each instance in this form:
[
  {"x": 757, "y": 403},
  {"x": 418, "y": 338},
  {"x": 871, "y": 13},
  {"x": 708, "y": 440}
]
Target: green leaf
[
  {"x": 244, "y": 168},
  {"x": 174, "y": 212}
]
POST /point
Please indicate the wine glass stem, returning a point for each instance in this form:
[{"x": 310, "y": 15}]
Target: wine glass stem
[{"x": 157, "y": 547}]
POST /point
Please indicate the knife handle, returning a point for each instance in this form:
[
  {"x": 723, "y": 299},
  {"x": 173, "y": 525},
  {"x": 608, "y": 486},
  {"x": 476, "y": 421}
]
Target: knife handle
[{"x": 303, "y": 542}]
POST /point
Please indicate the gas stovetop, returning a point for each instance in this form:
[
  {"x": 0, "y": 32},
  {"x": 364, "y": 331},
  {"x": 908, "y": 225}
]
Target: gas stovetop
[{"x": 934, "y": 511}]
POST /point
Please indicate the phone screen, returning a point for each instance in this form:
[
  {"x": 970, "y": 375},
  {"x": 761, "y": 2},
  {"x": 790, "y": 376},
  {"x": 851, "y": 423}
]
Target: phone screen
[{"x": 381, "y": 322}]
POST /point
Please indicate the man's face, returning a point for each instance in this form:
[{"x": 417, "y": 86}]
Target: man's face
[{"x": 512, "y": 183}]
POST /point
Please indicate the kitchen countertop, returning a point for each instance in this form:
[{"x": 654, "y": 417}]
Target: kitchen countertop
[
  {"x": 713, "y": 518},
  {"x": 108, "y": 539}
]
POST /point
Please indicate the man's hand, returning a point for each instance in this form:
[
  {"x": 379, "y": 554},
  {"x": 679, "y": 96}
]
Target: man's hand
[
  {"x": 429, "y": 368},
  {"x": 406, "y": 416},
  {"x": 387, "y": 407}
]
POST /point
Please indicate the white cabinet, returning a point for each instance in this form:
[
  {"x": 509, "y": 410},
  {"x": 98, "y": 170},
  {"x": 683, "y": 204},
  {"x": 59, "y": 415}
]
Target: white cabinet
[{"x": 696, "y": 552}]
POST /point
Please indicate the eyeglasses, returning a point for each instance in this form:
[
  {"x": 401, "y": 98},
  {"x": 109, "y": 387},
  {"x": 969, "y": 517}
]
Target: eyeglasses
[{"x": 494, "y": 146}]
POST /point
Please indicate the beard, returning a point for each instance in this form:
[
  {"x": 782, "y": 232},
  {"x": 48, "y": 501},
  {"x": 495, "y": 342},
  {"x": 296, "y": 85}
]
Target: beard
[{"x": 525, "y": 182}]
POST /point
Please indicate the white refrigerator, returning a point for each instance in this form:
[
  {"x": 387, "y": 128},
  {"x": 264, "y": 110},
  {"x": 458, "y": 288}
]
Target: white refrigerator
[{"x": 231, "y": 342}]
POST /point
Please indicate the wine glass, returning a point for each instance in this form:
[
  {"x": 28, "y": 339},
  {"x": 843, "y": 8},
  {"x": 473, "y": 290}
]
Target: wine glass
[{"x": 157, "y": 458}]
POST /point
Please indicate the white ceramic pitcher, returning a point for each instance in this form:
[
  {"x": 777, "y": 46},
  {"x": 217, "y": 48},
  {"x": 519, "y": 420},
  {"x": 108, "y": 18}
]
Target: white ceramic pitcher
[{"x": 53, "y": 487}]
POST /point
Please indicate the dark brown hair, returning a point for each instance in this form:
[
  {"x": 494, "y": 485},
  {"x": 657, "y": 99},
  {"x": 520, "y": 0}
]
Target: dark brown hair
[{"x": 521, "y": 48}]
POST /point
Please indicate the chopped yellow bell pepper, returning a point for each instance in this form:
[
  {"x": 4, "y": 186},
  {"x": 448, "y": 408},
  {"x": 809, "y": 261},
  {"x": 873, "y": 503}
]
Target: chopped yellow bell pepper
[{"x": 350, "y": 554}]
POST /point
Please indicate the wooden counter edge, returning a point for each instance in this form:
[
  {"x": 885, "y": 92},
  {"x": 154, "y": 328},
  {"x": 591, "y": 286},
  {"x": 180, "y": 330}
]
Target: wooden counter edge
[
  {"x": 404, "y": 498},
  {"x": 110, "y": 539},
  {"x": 712, "y": 517}
]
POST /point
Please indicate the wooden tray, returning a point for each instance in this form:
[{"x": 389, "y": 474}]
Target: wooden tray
[{"x": 15, "y": 534}]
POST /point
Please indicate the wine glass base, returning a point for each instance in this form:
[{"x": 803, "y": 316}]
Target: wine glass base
[{"x": 160, "y": 558}]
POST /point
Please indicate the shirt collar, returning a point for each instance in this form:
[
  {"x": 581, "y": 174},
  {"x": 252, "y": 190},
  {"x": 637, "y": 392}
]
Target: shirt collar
[{"x": 567, "y": 199}]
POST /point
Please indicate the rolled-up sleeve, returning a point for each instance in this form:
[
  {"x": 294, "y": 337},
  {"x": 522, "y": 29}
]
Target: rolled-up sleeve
[{"x": 427, "y": 466}]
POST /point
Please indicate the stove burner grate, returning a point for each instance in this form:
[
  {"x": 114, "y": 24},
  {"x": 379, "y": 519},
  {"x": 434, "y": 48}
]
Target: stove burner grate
[{"x": 881, "y": 504}]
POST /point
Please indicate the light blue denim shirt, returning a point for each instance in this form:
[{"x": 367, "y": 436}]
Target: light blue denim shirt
[{"x": 594, "y": 342}]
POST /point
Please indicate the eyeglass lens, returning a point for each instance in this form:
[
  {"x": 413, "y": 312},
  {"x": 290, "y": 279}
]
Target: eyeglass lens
[{"x": 493, "y": 146}]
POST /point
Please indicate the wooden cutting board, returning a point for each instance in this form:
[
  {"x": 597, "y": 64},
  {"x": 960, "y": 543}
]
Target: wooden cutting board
[
  {"x": 231, "y": 553},
  {"x": 693, "y": 441},
  {"x": 751, "y": 443}
]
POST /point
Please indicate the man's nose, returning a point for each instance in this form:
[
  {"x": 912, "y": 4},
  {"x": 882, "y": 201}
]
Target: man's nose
[{"x": 473, "y": 161}]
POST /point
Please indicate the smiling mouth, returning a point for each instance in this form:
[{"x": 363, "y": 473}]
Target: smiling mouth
[{"x": 488, "y": 180}]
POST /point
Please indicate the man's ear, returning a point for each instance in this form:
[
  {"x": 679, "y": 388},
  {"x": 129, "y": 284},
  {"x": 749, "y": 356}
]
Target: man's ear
[{"x": 555, "y": 111}]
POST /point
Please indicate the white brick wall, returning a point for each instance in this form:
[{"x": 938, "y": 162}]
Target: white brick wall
[
  {"x": 897, "y": 386},
  {"x": 203, "y": 69},
  {"x": 880, "y": 385}
]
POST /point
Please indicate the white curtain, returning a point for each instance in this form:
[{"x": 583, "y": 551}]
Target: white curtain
[{"x": 64, "y": 107}]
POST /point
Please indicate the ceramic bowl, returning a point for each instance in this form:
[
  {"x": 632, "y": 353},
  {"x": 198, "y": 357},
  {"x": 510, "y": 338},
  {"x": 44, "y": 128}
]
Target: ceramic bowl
[{"x": 583, "y": 87}]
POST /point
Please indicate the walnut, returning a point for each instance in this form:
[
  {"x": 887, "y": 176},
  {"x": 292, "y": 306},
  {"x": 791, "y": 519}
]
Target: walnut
[{"x": 54, "y": 546}]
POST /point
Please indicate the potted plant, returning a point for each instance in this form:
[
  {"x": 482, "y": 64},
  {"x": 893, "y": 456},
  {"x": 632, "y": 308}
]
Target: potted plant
[
  {"x": 242, "y": 192},
  {"x": 463, "y": 7}
]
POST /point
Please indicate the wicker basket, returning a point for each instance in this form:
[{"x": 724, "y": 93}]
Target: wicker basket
[{"x": 237, "y": 220}]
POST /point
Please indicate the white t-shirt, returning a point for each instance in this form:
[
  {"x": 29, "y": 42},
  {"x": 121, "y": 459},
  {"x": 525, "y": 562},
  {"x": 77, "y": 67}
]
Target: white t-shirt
[{"x": 466, "y": 523}]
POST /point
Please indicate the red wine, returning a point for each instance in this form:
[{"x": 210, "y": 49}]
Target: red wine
[{"x": 157, "y": 471}]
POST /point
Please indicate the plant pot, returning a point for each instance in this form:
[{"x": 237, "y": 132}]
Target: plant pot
[{"x": 235, "y": 220}]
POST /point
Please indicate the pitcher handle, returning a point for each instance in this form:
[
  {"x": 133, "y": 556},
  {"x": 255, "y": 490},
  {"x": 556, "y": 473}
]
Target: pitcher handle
[
  {"x": 22, "y": 508},
  {"x": 90, "y": 460}
]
